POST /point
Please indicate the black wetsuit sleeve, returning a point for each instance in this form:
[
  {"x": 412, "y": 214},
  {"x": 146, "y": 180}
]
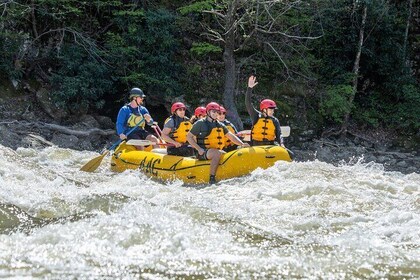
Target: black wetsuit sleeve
[
  {"x": 253, "y": 113},
  {"x": 279, "y": 137}
]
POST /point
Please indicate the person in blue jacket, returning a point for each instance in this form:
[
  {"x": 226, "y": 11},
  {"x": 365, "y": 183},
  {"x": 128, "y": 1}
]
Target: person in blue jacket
[{"x": 132, "y": 115}]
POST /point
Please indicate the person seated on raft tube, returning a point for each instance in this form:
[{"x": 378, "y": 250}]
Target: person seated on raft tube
[
  {"x": 175, "y": 131},
  {"x": 199, "y": 113},
  {"x": 131, "y": 114},
  {"x": 229, "y": 146},
  {"x": 207, "y": 137},
  {"x": 265, "y": 127}
]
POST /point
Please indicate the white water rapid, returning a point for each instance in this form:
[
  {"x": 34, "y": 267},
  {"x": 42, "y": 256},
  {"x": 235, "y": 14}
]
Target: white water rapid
[{"x": 308, "y": 220}]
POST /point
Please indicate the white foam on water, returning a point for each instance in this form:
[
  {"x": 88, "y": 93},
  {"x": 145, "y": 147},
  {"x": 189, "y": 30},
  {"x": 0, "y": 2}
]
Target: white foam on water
[{"x": 305, "y": 219}]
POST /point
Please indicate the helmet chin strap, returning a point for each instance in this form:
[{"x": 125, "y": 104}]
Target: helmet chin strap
[
  {"x": 213, "y": 120},
  {"x": 138, "y": 105},
  {"x": 264, "y": 111}
]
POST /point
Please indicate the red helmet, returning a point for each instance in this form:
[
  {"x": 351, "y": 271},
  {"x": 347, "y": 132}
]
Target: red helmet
[
  {"x": 212, "y": 106},
  {"x": 176, "y": 106},
  {"x": 200, "y": 111},
  {"x": 267, "y": 103},
  {"x": 222, "y": 109}
]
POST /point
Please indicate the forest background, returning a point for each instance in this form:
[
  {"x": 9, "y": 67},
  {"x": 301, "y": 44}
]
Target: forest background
[{"x": 330, "y": 65}]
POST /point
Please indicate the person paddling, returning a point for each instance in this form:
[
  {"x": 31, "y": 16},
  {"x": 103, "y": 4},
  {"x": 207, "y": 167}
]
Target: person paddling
[
  {"x": 229, "y": 146},
  {"x": 199, "y": 113},
  {"x": 175, "y": 131},
  {"x": 134, "y": 114},
  {"x": 207, "y": 137},
  {"x": 265, "y": 127}
]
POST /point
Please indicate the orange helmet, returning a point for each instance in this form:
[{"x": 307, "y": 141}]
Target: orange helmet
[
  {"x": 176, "y": 106},
  {"x": 212, "y": 106},
  {"x": 267, "y": 103},
  {"x": 222, "y": 109},
  {"x": 200, "y": 111}
]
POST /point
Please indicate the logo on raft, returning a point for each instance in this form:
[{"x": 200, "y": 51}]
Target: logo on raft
[{"x": 148, "y": 167}]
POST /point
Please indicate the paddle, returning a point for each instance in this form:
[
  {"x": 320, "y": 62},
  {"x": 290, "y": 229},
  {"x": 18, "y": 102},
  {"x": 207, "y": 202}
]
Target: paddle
[
  {"x": 138, "y": 142},
  {"x": 158, "y": 133},
  {"x": 285, "y": 131},
  {"x": 94, "y": 163}
]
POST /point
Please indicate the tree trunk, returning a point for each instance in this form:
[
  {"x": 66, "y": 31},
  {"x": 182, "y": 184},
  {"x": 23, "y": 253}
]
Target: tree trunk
[
  {"x": 356, "y": 67},
  {"x": 230, "y": 68},
  {"x": 407, "y": 30},
  {"x": 229, "y": 91}
]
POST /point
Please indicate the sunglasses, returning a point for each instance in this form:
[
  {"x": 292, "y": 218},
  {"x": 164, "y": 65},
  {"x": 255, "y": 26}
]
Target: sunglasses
[{"x": 181, "y": 109}]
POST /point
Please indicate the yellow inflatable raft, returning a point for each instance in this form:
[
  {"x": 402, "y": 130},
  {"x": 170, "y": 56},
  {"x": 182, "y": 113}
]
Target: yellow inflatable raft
[{"x": 192, "y": 171}]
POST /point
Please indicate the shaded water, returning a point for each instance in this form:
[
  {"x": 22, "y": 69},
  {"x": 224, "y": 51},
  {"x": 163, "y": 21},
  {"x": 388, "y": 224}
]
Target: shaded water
[{"x": 294, "y": 220}]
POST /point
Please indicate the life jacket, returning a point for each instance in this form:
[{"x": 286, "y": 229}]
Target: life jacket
[
  {"x": 214, "y": 139},
  {"x": 181, "y": 128},
  {"x": 136, "y": 117},
  {"x": 229, "y": 126},
  {"x": 263, "y": 130}
]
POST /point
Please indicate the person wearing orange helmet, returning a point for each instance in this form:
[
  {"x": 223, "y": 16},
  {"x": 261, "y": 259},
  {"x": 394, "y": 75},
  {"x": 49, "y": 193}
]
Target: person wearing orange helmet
[
  {"x": 175, "y": 131},
  {"x": 229, "y": 146},
  {"x": 207, "y": 137},
  {"x": 199, "y": 113},
  {"x": 133, "y": 115},
  {"x": 265, "y": 127}
]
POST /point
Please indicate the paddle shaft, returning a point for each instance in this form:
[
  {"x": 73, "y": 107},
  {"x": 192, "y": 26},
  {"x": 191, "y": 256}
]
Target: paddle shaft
[{"x": 94, "y": 163}]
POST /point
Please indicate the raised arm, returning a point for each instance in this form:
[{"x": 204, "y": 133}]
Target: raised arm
[{"x": 253, "y": 113}]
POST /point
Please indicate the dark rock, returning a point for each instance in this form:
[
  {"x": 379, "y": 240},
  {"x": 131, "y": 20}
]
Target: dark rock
[
  {"x": 105, "y": 122},
  {"x": 87, "y": 121},
  {"x": 51, "y": 108},
  {"x": 9, "y": 138},
  {"x": 402, "y": 164},
  {"x": 383, "y": 159},
  {"x": 65, "y": 141}
]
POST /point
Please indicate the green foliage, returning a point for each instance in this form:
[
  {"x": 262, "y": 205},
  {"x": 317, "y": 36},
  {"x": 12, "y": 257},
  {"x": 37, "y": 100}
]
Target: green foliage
[
  {"x": 197, "y": 7},
  {"x": 81, "y": 81},
  {"x": 335, "y": 104},
  {"x": 142, "y": 50},
  {"x": 408, "y": 113},
  {"x": 10, "y": 49},
  {"x": 97, "y": 48},
  {"x": 203, "y": 48}
]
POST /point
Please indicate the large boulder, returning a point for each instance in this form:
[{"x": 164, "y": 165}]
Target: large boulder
[
  {"x": 8, "y": 138},
  {"x": 49, "y": 106},
  {"x": 65, "y": 141},
  {"x": 105, "y": 122}
]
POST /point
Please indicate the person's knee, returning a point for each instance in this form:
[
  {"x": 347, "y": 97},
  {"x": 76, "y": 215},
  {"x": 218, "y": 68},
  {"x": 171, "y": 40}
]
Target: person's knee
[{"x": 214, "y": 154}]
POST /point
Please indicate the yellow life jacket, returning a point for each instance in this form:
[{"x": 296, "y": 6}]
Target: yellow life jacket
[
  {"x": 263, "y": 130},
  {"x": 181, "y": 129},
  {"x": 228, "y": 142},
  {"x": 134, "y": 119},
  {"x": 215, "y": 139}
]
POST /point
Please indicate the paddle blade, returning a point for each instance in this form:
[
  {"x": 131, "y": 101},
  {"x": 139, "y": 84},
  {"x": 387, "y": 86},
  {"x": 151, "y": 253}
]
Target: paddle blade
[{"x": 94, "y": 163}]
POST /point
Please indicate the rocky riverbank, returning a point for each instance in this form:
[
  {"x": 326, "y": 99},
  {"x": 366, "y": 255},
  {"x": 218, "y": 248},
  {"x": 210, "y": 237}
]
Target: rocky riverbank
[{"x": 26, "y": 124}]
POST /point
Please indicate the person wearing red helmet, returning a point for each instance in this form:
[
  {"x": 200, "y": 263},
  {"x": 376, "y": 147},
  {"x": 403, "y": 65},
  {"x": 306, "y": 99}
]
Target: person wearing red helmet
[
  {"x": 199, "y": 113},
  {"x": 132, "y": 115},
  {"x": 175, "y": 131},
  {"x": 265, "y": 127},
  {"x": 229, "y": 146},
  {"x": 207, "y": 137}
]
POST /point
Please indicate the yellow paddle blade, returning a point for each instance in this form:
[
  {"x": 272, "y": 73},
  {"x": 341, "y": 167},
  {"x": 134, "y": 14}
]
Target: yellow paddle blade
[{"x": 93, "y": 164}]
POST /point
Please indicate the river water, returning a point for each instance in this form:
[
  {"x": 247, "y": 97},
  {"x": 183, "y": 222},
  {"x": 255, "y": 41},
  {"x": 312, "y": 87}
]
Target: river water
[{"x": 294, "y": 220}]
